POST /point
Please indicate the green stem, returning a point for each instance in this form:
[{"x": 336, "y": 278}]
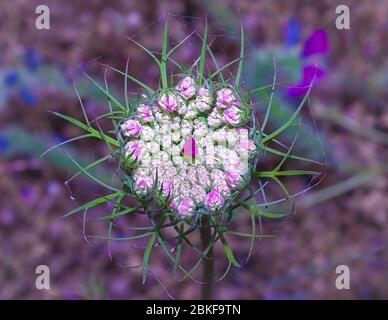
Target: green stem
[{"x": 208, "y": 261}]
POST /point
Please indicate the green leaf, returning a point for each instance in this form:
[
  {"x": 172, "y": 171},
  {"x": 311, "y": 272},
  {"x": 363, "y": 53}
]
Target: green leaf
[
  {"x": 82, "y": 105},
  {"x": 229, "y": 252},
  {"x": 112, "y": 98},
  {"x": 215, "y": 62},
  {"x": 138, "y": 236},
  {"x": 94, "y": 132},
  {"x": 258, "y": 211},
  {"x": 122, "y": 213},
  {"x": 240, "y": 65},
  {"x": 292, "y": 118},
  {"x": 91, "y": 165},
  {"x": 94, "y": 202},
  {"x": 270, "y": 174},
  {"x": 179, "y": 44},
  {"x": 282, "y": 186},
  {"x": 126, "y": 86},
  {"x": 146, "y": 51},
  {"x": 201, "y": 66},
  {"x": 67, "y": 141},
  {"x": 249, "y": 235},
  {"x": 163, "y": 63},
  {"x": 267, "y": 113},
  {"x": 287, "y": 155},
  {"x": 179, "y": 247},
  {"x": 148, "y": 89},
  {"x": 224, "y": 67},
  {"x": 109, "y": 102},
  {"x": 295, "y": 157},
  {"x": 91, "y": 176},
  {"x": 146, "y": 256}
]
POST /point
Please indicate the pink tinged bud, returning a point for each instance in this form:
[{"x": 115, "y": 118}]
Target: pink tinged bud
[
  {"x": 143, "y": 184},
  {"x": 186, "y": 83},
  {"x": 225, "y": 98},
  {"x": 233, "y": 178},
  {"x": 168, "y": 102},
  {"x": 214, "y": 199},
  {"x": 185, "y": 207},
  {"x": 131, "y": 128},
  {"x": 187, "y": 87},
  {"x": 133, "y": 149},
  {"x": 232, "y": 115},
  {"x": 145, "y": 113}
]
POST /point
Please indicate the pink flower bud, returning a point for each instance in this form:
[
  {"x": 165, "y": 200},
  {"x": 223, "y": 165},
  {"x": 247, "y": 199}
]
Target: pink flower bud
[
  {"x": 142, "y": 185},
  {"x": 133, "y": 149},
  {"x": 131, "y": 128},
  {"x": 185, "y": 207},
  {"x": 232, "y": 115},
  {"x": 168, "y": 102},
  {"x": 214, "y": 199},
  {"x": 225, "y": 98},
  {"x": 233, "y": 178},
  {"x": 145, "y": 113},
  {"x": 187, "y": 87}
]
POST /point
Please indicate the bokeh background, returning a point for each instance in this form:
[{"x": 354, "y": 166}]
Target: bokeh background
[{"x": 341, "y": 221}]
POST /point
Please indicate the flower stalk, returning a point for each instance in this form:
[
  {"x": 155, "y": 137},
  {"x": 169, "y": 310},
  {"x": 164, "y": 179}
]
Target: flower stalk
[{"x": 208, "y": 260}]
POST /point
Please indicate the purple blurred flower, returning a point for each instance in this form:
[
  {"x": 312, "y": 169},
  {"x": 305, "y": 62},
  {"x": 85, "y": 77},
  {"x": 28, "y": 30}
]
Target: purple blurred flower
[
  {"x": 28, "y": 96},
  {"x": 316, "y": 43},
  {"x": 4, "y": 143},
  {"x": 292, "y": 32},
  {"x": 32, "y": 59},
  {"x": 26, "y": 193},
  {"x": 301, "y": 88},
  {"x": 11, "y": 77}
]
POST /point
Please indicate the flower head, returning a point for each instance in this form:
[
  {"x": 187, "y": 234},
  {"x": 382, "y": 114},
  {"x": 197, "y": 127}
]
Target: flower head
[{"x": 194, "y": 151}]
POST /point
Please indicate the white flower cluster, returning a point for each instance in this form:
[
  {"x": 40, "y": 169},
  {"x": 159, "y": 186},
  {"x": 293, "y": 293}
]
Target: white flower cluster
[{"x": 190, "y": 145}]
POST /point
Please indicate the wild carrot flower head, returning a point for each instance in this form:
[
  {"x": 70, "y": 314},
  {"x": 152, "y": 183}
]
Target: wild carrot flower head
[
  {"x": 181, "y": 151},
  {"x": 188, "y": 151}
]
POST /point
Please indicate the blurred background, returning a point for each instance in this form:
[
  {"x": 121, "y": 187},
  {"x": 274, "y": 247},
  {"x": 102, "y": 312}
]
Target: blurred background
[{"x": 341, "y": 221}]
